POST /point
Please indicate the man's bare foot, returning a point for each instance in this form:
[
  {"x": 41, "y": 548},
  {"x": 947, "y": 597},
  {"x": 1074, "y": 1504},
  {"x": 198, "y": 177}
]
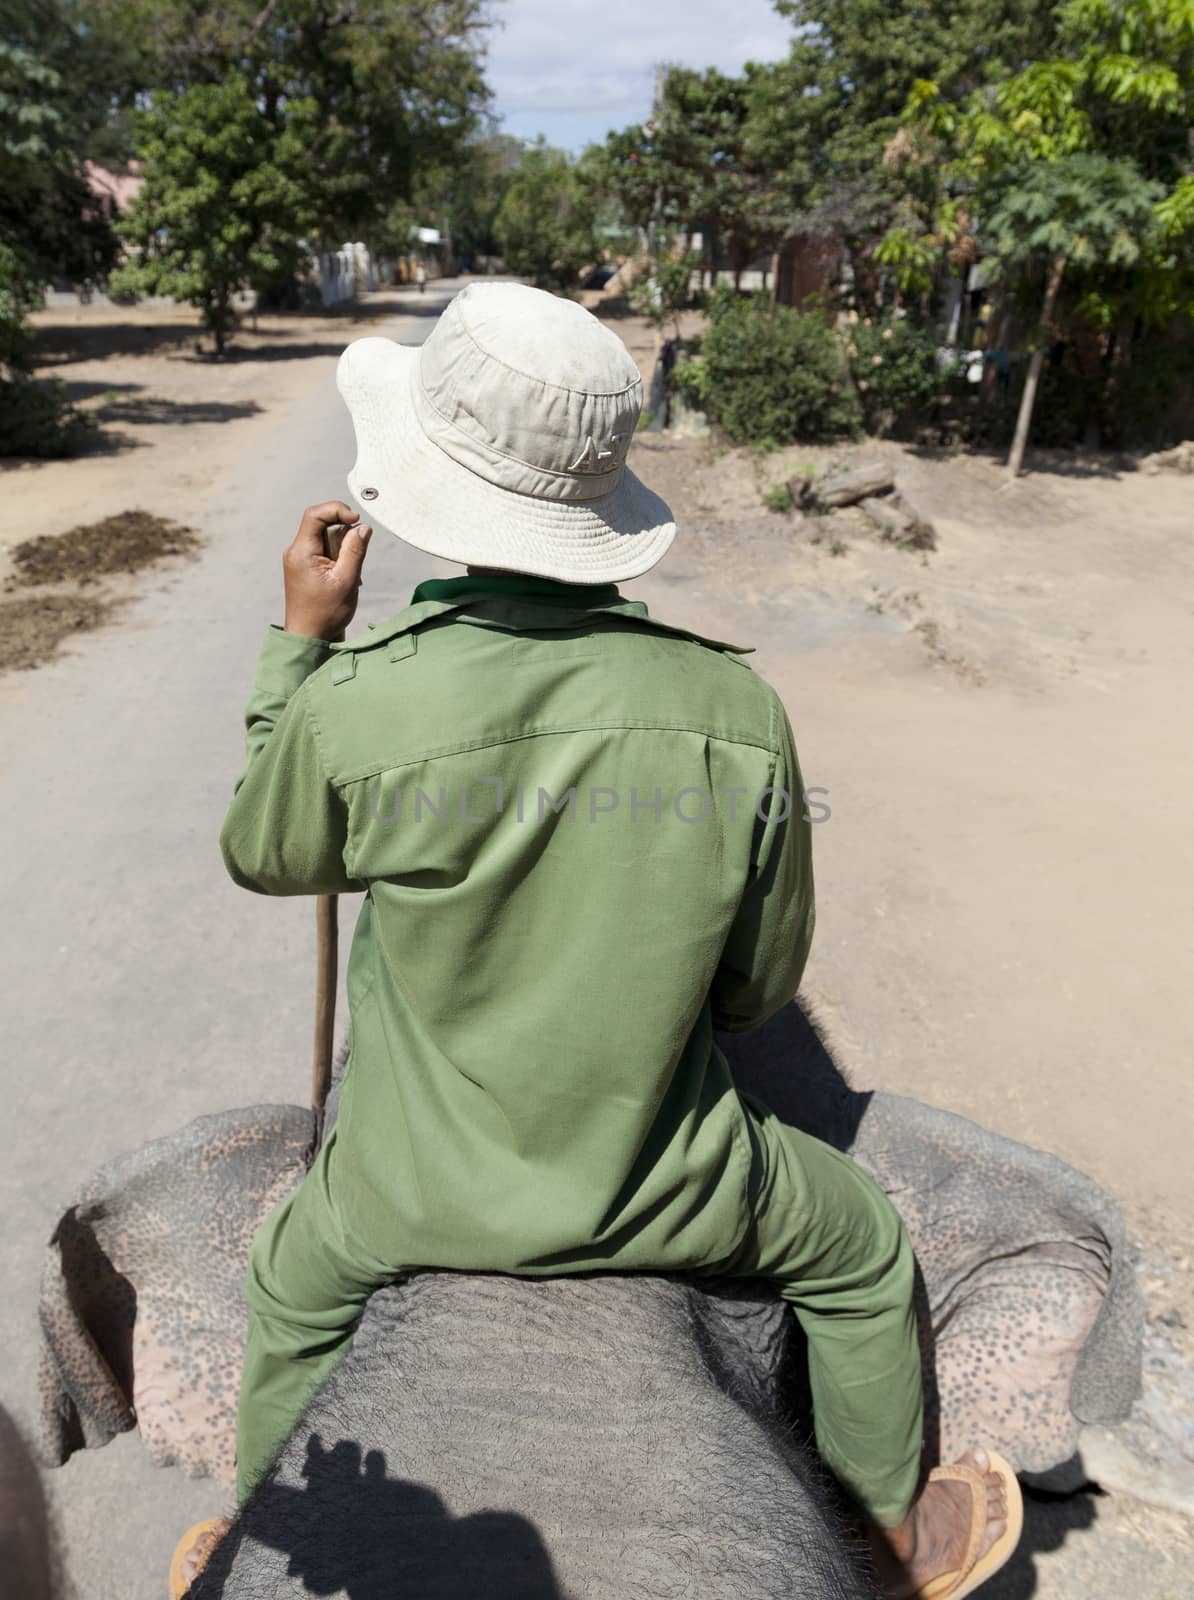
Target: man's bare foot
[
  {"x": 933, "y": 1537},
  {"x": 199, "y": 1552}
]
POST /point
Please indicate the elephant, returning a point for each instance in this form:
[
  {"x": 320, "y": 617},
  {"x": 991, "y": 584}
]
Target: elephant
[{"x": 595, "y": 1436}]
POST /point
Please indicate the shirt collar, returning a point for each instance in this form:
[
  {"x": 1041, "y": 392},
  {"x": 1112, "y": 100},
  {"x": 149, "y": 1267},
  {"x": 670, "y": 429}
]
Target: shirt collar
[
  {"x": 464, "y": 588},
  {"x": 493, "y": 601}
]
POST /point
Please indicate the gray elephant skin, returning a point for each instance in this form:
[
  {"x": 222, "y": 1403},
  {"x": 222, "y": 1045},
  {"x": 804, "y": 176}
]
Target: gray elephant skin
[{"x": 598, "y": 1437}]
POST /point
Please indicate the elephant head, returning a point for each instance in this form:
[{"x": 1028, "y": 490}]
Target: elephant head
[{"x": 596, "y": 1435}]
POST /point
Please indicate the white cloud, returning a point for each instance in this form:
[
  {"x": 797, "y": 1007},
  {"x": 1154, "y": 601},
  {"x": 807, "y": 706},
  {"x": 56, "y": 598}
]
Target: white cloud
[{"x": 574, "y": 71}]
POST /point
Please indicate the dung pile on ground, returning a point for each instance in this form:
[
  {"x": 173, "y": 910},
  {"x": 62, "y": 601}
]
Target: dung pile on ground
[
  {"x": 67, "y": 568},
  {"x": 32, "y": 630},
  {"x": 123, "y": 543}
]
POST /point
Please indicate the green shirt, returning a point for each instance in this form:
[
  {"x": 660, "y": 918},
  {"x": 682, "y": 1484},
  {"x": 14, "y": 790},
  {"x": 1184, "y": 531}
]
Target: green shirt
[{"x": 581, "y": 838}]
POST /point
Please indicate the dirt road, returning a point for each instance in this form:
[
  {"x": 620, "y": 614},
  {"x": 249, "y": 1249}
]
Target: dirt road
[{"x": 1004, "y": 884}]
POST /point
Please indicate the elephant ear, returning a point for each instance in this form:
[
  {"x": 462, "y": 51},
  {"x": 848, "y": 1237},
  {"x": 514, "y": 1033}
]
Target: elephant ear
[
  {"x": 1036, "y": 1315},
  {"x": 1031, "y": 1319},
  {"x": 142, "y": 1314}
]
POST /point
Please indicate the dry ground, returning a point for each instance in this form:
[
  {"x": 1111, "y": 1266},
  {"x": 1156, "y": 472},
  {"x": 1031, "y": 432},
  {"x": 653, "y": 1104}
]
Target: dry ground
[{"x": 1002, "y": 726}]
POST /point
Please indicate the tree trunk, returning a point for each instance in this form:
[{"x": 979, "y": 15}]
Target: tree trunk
[
  {"x": 219, "y": 318},
  {"x": 867, "y": 479},
  {"x": 1119, "y": 358},
  {"x": 953, "y": 309},
  {"x": 1028, "y": 398}
]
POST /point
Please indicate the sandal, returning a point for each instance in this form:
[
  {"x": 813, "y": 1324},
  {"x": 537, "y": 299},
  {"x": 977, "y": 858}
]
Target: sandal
[
  {"x": 206, "y": 1535},
  {"x": 975, "y": 1569}
]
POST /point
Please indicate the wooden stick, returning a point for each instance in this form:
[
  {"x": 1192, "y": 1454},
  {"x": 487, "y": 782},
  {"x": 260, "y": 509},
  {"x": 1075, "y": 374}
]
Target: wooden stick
[{"x": 327, "y": 942}]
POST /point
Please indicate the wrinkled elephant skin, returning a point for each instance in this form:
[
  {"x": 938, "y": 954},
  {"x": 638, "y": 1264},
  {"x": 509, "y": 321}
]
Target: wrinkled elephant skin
[{"x": 587, "y": 1436}]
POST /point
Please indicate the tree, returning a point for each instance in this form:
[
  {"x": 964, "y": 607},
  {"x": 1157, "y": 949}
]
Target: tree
[
  {"x": 227, "y": 199},
  {"x": 49, "y": 225},
  {"x": 48, "y": 218},
  {"x": 690, "y": 166},
  {"x": 464, "y": 195},
  {"x": 397, "y": 84},
  {"x": 545, "y": 225},
  {"x": 1083, "y": 211},
  {"x": 665, "y": 289},
  {"x": 1081, "y": 165},
  {"x": 821, "y": 120}
]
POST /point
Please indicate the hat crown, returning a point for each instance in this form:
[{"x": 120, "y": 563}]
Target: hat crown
[{"x": 529, "y": 391}]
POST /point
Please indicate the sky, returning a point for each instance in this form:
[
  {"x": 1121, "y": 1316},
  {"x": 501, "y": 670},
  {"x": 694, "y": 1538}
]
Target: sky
[{"x": 572, "y": 71}]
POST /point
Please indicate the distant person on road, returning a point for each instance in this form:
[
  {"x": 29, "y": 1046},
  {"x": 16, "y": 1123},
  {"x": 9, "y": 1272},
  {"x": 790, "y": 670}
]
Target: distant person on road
[
  {"x": 581, "y": 838},
  {"x": 421, "y": 277}
]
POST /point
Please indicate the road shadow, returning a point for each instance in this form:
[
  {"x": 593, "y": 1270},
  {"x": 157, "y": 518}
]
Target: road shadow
[
  {"x": 288, "y": 334},
  {"x": 1113, "y": 464},
  {"x": 353, "y": 1530},
  {"x": 1049, "y": 1520},
  {"x": 63, "y": 344},
  {"x": 237, "y": 353},
  {"x": 127, "y": 402}
]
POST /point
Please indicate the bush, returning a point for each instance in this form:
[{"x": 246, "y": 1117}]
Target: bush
[
  {"x": 896, "y": 370},
  {"x": 1157, "y": 404},
  {"x": 769, "y": 375},
  {"x": 36, "y": 420},
  {"x": 666, "y": 288}
]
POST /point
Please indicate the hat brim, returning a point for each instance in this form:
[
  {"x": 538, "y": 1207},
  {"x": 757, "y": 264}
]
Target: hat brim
[{"x": 430, "y": 501}]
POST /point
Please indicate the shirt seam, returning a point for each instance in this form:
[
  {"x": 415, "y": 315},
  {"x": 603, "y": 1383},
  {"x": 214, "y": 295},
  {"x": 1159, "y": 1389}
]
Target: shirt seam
[
  {"x": 317, "y": 743},
  {"x": 528, "y": 466},
  {"x": 374, "y": 769},
  {"x": 544, "y": 383}
]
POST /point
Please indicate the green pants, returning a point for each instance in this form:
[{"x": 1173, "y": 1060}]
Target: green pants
[{"x": 821, "y": 1231}]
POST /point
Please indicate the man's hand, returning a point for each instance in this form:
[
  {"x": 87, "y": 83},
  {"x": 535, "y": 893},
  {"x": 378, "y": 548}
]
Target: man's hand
[{"x": 321, "y": 595}]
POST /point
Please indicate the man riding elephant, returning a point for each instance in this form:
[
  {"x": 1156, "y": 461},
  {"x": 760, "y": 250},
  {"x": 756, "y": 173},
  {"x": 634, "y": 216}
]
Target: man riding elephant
[
  {"x": 594, "y": 1436},
  {"x": 534, "y": 1087}
]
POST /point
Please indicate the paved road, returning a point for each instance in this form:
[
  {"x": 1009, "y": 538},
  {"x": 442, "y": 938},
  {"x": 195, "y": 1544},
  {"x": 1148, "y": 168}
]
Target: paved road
[{"x": 143, "y": 988}]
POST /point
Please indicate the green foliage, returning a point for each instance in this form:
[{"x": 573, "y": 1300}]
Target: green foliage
[
  {"x": 398, "y": 83},
  {"x": 1110, "y": 108},
  {"x": 464, "y": 194},
  {"x": 665, "y": 289},
  {"x": 1094, "y": 210},
  {"x": 769, "y": 375},
  {"x": 823, "y": 120},
  {"x": 37, "y": 420},
  {"x": 545, "y": 225},
  {"x": 46, "y": 214},
  {"x": 691, "y": 165},
  {"x": 1132, "y": 394},
  {"x": 19, "y": 294},
  {"x": 226, "y": 202},
  {"x": 46, "y": 226},
  {"x": 778, "y": 498},
  {"x": 896, "y": 370},
  {"x": 912, "y": 258}
]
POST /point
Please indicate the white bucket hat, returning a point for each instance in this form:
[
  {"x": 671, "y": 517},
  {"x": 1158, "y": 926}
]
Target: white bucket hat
[{"x": 502, "y": 441}]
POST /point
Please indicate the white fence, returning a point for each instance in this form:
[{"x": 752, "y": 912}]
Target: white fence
[{"x": 346, "y": 273}]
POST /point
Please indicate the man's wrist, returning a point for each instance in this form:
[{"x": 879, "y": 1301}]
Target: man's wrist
[{"x": 308, "y": 630}]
